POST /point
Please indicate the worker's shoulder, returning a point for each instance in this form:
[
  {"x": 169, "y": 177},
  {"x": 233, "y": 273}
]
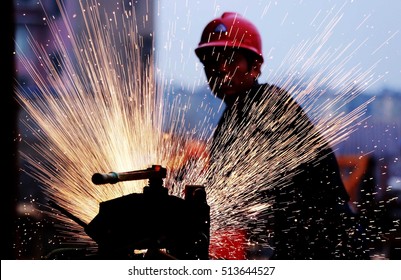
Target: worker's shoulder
[{"x": 274, "y": 95}]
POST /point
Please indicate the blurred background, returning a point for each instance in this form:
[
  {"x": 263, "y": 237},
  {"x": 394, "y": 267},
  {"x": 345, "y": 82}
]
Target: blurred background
[{"x": 369, "y": 158}]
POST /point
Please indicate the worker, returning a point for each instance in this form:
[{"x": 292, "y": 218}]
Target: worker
[{"x": 311, "y": 217}]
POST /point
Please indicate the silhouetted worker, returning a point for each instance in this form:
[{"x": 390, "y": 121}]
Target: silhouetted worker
[{"x": 311, "y": 218}]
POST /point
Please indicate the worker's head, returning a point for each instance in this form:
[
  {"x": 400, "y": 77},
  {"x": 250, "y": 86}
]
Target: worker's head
[{"x": 231, "y": 52}]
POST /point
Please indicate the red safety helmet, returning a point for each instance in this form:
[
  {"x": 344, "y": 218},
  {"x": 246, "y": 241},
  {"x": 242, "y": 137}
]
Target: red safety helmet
[{"x": 230, "y": 30}]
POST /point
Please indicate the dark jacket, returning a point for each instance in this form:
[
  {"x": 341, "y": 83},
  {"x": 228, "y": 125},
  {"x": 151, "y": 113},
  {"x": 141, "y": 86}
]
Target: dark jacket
[{"x": 310, "y": 217}]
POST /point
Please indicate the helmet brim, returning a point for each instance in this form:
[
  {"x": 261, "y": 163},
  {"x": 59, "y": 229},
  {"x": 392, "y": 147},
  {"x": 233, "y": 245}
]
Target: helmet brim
[{"x": 202, "y": 48}]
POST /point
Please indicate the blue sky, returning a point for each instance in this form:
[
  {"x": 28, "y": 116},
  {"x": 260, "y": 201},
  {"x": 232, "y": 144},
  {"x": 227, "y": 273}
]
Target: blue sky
[{"x": 368, "y": 29}]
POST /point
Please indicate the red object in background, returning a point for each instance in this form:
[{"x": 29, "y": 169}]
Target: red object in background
[{"x": 228, "y": 244}]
